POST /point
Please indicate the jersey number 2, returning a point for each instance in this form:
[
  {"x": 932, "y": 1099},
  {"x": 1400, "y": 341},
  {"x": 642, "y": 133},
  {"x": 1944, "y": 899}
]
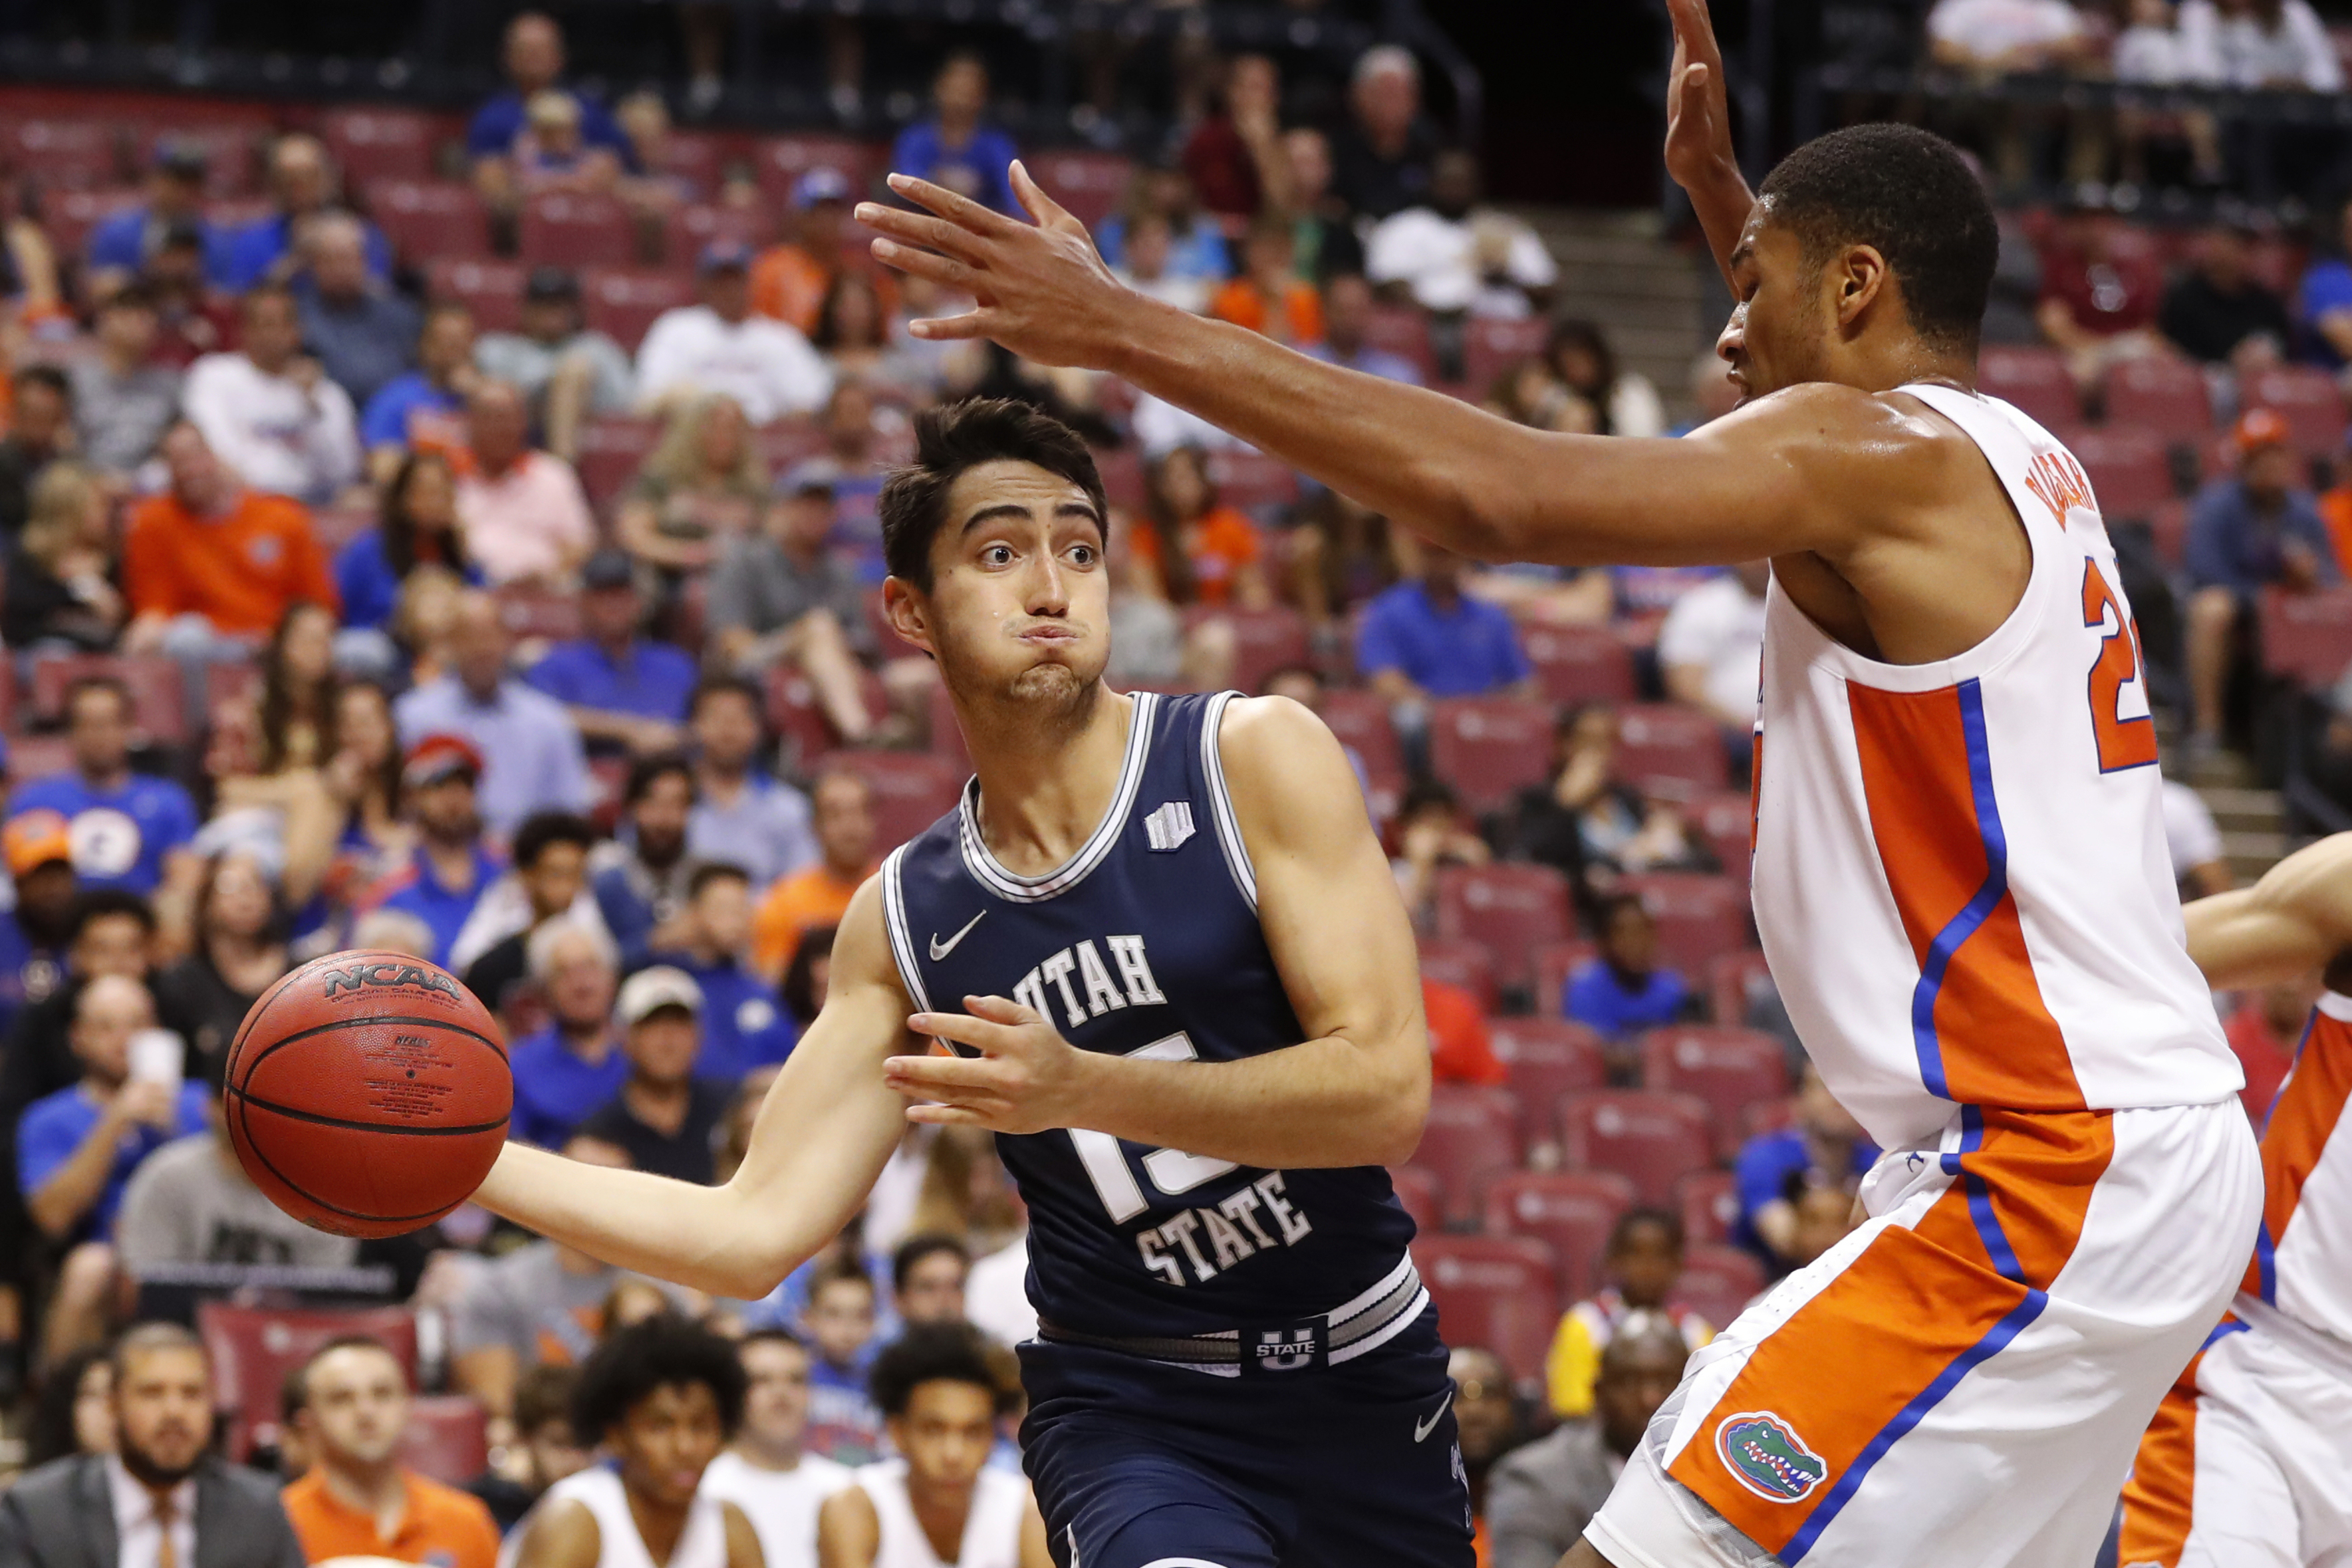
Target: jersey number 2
[
  {"x": 2123, "y": 742},
  {"x": 1171, "y": 1169}
]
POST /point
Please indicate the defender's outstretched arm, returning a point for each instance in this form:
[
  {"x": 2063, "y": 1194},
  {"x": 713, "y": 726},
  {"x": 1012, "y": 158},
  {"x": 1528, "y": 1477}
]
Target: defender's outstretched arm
[{"x": 2294, "y": 922}]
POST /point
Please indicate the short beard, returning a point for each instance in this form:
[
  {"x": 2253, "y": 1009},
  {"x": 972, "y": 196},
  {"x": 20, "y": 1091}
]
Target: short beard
[
  {"x": 151, "y": 1475},
  {"x": 1045, "y": 704}
]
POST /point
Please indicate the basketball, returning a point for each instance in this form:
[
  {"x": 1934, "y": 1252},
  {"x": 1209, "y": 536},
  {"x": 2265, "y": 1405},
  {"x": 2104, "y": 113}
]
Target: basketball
[{"x": 367, "y": 1093}]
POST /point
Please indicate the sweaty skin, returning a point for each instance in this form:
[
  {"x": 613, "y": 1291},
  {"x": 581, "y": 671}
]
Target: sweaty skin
[{"x": 2296, "y": 921}]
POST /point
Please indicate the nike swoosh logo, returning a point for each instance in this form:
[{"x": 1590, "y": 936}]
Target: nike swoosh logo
[
  {"x": 1421, "y": 1429},
  {"x": 940, "y": 950}
]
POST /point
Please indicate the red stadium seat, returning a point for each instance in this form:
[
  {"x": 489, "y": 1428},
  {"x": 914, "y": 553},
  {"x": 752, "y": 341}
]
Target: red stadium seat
[
  {"x": 2034, "y": 379},
  {"x": 2162, "y": 395},
  {"x": 2167, "y": 528},
  {"x": 696, "y": 157},
  {"x": 1665, "y": 750},
  {"x": 1569, "y": 1211},
  {"x": 1648, "y": 1136},
  {"x": 1554, "y": 962},
  {"x": 67, "y": 217},
  {"x": 686, "y": 230},
  {"x": 231, "y": 151},
  {"x": 1491, "y": 346},
  {"x": 1718, "y": 1282},
  {"x": 158, "y": 696},
  {"x": 1547, "y": 1058},
  {"x": 378, "y": 143},
  {"x": 911, "y": 790},
  {"x": 1423, "y": 1196},
  {"x": 1472, "y": 1134},
  {"x": 2128, "y": 470},
  {"x": 491, "y": 289},
  {"x": 1463, "y": 963},
  {"x": 612, "y": 450},
  {"x": 253, "y": 1348},
  {"x": 947, "y": 735},
  {"x": 534, "y": 614},
  {"x": 1090, "y": 185},
  {"x": 1251, "y": 481},
  {"x": 1727, "y": 822},
  {"x": 1709, "y": 1200},
  {"x": 779, "y": 162},
  {"x": 1490, "y": 748},
  {"x": 429, "y": 220},
  {"x": 1579, "y": 664},
  {"x": 1734, "y": 981},
  {"x": 2307, "y": 637},
  {"x": 1699, "y": 917},
  {"x": 38, "y": 757},
  {"x": 1264, "y": 640},
  {"x": 1727, "y": 1066},
  {"x": 448, "y": 1438},
  {"x": 1122, "y": 476},
  {"x": 2307, "y": 396},
  {"x": 623, "y": 302},
  {"x": 561, "y": 230},
  {"x": 1494, "y": 1292},
  {"x": 1361, "y": 719},
  {"x": 81, "y": 154},
  {"x": 1509, "y": 909},
  {"x": 795, "y": 715}
]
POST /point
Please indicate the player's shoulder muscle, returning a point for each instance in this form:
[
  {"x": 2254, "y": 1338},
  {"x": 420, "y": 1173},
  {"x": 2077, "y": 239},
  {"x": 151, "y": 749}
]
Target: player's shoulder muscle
[
  {"x": 1289, "y": 779},
  {"x": 562, "y": 1533},
  {"x": 2295, "y": 920}
]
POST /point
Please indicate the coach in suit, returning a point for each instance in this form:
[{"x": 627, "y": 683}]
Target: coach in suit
[{"x": 163, "y": 1500}]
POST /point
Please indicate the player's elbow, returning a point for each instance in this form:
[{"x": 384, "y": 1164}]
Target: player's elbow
[{"x": 1394, "y": 1128}]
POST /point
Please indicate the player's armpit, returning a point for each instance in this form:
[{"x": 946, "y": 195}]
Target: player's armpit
[
  {"x": 562, "y": 1534},
  {"x": 742, "y": 1541},
  {"x": 849, "y": 1531},
  {"x": 2294, "y": 922}
]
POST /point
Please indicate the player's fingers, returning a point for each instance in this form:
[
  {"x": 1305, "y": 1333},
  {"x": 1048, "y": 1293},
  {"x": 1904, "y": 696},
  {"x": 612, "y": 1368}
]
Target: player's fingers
[
  {"x": 961, "y": 211},
  {"x": 947, "y": 272},
  {"x": 919, "y": 230},
  {"x": 1049, "y": 213},
  {"x": 949, "y": 1116},
  {"x": 961, "y": 1027},
  {"x": 942, "y": 1077},
  {"x": 1000, "y": 1010},
  {"x": 951, "y": 328}
]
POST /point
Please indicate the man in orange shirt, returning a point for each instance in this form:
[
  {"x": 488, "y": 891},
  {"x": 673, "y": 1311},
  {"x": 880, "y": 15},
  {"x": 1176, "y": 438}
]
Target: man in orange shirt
[
  {"x": 358, "y": 1500},
  {"x": 209, "y": 566},
  {"x": 1268, "y": 297},
  {"x": 1460, "y": 1050},
  {"x": 843, "y": 809},
  {"x": 790, "y": 281}
]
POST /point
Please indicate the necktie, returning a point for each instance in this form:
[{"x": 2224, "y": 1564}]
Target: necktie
[{"x": 167, "y": 1551}]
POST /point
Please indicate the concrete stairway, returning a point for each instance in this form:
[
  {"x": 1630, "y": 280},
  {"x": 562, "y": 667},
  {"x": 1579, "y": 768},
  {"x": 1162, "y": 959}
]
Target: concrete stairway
[{"x": 1647, "y": 295}]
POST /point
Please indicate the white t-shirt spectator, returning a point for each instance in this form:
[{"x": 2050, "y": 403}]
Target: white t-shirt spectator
[
  {"x": 781, "y": 1504},
  {"x": 278, "y": 436},
  {"x": 1718, "y": 626},
  {"x": 1160, "y": 427},
  {"x": 2189, "y": 833},
  {"x": 996, "y": 1295},
  {"x": 1437, "y": 258},
  {"x": 1185, "y": 293},
  {"x": 766, "y": 365},
  {"x": 2150, "y": 57},
  {"x": 531, "y": 522},
  {"x": 2236, "y": 51},
  {"x": 1992, "y": 29}
]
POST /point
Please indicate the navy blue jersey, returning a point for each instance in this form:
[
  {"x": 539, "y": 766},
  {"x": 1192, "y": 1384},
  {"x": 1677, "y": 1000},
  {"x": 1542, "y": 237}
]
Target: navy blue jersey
[{"x": 1145, "y": 943}]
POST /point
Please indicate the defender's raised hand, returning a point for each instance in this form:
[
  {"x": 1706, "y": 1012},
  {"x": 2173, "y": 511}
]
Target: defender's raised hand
[
  {"x": 1699, "y": 155},
  {"x": 1042, "y": 289}
]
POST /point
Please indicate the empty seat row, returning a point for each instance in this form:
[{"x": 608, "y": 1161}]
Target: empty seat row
[{"x": 2163, "y": 397}]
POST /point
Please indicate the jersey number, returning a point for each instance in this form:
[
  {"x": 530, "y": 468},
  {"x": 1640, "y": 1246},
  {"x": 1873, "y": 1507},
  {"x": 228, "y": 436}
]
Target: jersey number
[
  {"x": 1171, "y": 1169},
  {"x": 2123, "y": 742}
]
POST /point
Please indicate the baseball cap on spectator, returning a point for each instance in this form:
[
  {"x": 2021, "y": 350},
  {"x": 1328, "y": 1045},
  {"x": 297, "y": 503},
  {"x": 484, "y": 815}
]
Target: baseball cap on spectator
[
  {"x": 547, "y": 284},
  {"x": 181, "y": 159},
  {"x": 724, "y": 256},
  {"x": 33, "y": 840},
  {"x": 819, "y": 186},
  {"x": 608, "y": 568},
  {"x": 437, "y": 759},
  {"x": 648, "y": 991},
  {"x": 817, "y": 476},
  {"x": 2260, "y": 427},
  {"x": 258, "y": 832}
]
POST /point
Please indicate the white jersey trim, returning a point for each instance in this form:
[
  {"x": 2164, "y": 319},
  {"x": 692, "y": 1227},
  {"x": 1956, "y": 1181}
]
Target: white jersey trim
[
  {"x": 1008, "y": 885},
  {"x": 2336, "y": 1006},
  {"x": 902, "y": 940},
  {"x": 1221, "y": 801}
]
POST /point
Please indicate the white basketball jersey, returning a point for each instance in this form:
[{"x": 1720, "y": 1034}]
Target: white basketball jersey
[
  {"x": 702, "y": 1544},
  {"x": 991, "y": 1531},
  {"x": 1960, "y": 872},
  {"x": 781, "y": 1504},
  {"x": 2303, "y": 1259}
]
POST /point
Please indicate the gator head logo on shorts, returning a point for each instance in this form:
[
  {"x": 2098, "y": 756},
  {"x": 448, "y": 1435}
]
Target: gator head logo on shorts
[{"x": 1768, "y": 1457}]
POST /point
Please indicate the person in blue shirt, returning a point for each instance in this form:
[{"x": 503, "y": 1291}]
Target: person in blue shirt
[
  {"x": 533, "y": 759},
  {"x": 128, "y": 830},
  {"x": 122, "y": 242},
  {"x": 533, "y": 59},
  {"x": 303, "y": 187},
  {"x": 417, "y": 527},
  {"x": 623, "y": 691},
  {"x": 2251, "y": 531},
  {"x": 361, "y": 332},
  {"x": 450, "y": 868},
  {"x": 568, "y": 1070},
  {"x": 744, "y": 1025},
  {"x": 741, "y": 815},
  {"x": 2323, "y": 308},
  {"x": 953, "y": 148},
  {"x": 1426, "y": 638},
  {"x": 34, "y": 936},
  {"x": 1347, "y": 306},
  {"x": 424, "y": 408},
  {"x": 1624, "y": 991},
  {"x": 643, "y": 891},
  {"x": 1824, "y": 1147}
]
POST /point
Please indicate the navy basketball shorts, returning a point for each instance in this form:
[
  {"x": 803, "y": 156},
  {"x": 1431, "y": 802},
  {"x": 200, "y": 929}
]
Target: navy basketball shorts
[{"x": 1141, "y": 1465}]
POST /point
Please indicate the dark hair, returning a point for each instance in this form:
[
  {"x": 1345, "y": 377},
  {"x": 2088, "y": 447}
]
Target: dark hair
[
  {"x": 397, "y": 527},
  {"x": 710, "y": 871},
  {"x": 293, "y": 1391},
  {"x": 645, "y": 770},
  {"x": 260, "y": 291},
  {"x": 298, "y": 1387},
  {"x": 841, "y": 1271},
  {"x": 1284, "y": 671},
  {"x": 98, "y": 903},
  {"x": 1574, "y": 332},
  {"x": 655, "y": 1354},
  {"x": 1605, "y": 913},
  {"x": 962, "y": 56},
  {"x": 541, "y": 829},
  {"x": 960, "y": 435},
  {"x": 1423, "y": 793},
  {"x": 711, "y": 685},
  {"x": 132, "y": 296},
  {"x": 934, "y": 1352},
  {"x": 1621, "y": 1234},
  {"x": 386, "y": 777},
  {"x": 774, "y": 1334},
  {"x": 1159, "y": 517},
  {"x": 543, "y": 1395},
  {"x": 153, "y": 1335},
  {"x": 827, "y": 332},
  {"x": 799, "y": 987},
  {"x": 51, "y": 1434},
  {"x": 47, "y": 375},
  {"x": 82, "y": 686},
  {"x": 281, "y": 704},
  {"x": 1909, "y": 195},
  {"x": 915, "y": 1248},
  {"x": 274, "y": 930}
]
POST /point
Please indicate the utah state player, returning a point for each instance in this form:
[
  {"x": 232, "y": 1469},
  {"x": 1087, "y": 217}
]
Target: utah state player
[{"x": 1188, "y": 1001}]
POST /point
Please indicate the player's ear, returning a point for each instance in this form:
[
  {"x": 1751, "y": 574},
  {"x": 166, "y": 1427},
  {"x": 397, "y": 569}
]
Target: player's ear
[
  {"x": 1861, "y": 276},
  {"x": 907, "y": 609}
]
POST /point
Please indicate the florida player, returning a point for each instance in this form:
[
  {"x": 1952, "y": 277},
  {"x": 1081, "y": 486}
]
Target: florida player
[
  {"x": 1959, "y": 872},
  {"x": 2243, "y": 1465},
  {"x": 1165, "y": 934}
]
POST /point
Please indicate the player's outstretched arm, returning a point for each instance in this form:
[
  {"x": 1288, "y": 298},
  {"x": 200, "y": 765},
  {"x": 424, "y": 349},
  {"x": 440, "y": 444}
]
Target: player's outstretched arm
[
  {"x": 823, "y": 1134},
  {"x": 1354, "y": 1092},
  {"x": 2294, "y": 922},
  {"x": 1699, "y": 153}
]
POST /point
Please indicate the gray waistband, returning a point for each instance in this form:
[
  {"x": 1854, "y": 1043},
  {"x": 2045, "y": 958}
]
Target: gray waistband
[{"x": 1345, "y": 1331}]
